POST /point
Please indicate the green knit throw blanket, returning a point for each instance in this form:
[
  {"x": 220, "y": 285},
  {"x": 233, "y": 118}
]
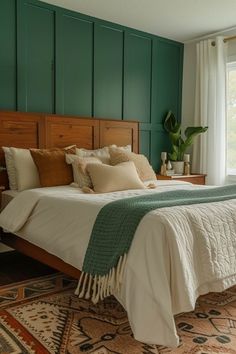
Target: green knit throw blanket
[{"x": 115, "y": 226}]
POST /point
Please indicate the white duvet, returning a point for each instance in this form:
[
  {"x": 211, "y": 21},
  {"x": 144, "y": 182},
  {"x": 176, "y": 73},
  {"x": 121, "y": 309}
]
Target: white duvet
[{"x": 177, "y": 253}]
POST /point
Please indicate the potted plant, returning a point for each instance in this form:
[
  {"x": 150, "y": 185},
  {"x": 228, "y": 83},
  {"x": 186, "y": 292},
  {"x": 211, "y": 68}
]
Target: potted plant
[{"x": 179, "y": 144}]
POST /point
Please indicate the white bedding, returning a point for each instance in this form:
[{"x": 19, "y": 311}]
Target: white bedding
[
  {"x": 177, "y": 253},
  {"x": 7, "y": 196}
]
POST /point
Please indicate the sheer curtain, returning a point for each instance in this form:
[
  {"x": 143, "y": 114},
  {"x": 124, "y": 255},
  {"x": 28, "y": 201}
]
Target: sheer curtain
[{"x": 210, "y": 110}]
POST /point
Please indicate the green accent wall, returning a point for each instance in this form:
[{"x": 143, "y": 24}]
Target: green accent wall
[
  {"x": 108, "y": 71},
  {"x": 35, "y": 89},
  {"x": 74, "y": 65},
  {"x": 8, "y": 55},
  {"x": 59, "y": 61}
]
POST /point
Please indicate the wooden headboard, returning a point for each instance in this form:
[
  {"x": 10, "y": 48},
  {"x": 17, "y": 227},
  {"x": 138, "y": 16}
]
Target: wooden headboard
[{"x": 36, "y": 130}]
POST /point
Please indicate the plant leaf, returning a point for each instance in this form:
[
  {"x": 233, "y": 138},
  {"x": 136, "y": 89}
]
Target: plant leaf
[
  {"x": 173, "y": 156},
  {"x": 173, "y": 128},
  {"x": 170, "y": 122},
  {"x": 179, "y": 146},
  {"x": 191, "y": 133}
]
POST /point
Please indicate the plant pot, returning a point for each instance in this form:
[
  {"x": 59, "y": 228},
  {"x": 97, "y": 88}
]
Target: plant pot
[{"x": 178, "y": 167}]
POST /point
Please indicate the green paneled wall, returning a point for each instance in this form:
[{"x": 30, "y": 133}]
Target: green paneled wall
[
  {"x": 137, "y": 77},
  {"x": 7, "y": 55},
  {"x": 35, "y": 58},
  {"x": 74, "y": 65},
  {"x": 108, "y": 71},
  {"x": 59, "y": 61}
]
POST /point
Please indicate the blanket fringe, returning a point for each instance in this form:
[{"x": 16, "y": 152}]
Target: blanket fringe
[{"x": 100, "y": 286}]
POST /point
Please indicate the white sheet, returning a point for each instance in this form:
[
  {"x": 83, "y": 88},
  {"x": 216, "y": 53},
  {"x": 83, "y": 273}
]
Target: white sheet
[
  {"x": 7, "y": 196},
  {"x": 167, "y": 268}
]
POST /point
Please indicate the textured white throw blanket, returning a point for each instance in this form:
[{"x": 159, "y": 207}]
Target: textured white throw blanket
[{"x": 177, "y": 253}]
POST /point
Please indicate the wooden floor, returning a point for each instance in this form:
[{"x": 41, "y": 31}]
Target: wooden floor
[{"x": 16, "y": 267}]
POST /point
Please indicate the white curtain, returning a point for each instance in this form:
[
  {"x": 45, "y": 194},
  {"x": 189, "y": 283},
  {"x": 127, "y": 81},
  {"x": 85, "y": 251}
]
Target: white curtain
[{"x": 209, "y": 150}]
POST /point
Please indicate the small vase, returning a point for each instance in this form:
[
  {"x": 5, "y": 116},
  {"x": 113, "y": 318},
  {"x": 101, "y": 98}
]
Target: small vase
[{"x": 178, "y": 167}]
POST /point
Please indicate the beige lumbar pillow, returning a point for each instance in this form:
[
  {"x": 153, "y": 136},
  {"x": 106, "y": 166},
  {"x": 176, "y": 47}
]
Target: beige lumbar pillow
[
  {"x": 79, "y": 164},
  {"x": 145, "y": 170},
  {"x": 107, "y": 178}
]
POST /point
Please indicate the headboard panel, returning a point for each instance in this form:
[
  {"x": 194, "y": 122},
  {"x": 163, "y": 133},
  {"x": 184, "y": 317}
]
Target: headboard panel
[
  {"x": 21, "y": 130},
  {"x": 120, "y": 133},
  {"x": 64, "y": 131},
  {"x": 35, "y": 130}
]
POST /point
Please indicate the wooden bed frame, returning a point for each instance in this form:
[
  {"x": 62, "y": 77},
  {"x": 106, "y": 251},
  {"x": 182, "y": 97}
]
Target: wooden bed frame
[{"x": 38, "y": 130}]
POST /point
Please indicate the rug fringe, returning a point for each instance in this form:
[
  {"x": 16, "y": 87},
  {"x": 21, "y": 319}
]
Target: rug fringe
[{"x": 100, "y": 286}]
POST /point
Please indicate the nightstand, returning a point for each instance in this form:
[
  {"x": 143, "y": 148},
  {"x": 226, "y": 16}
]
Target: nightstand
[{"x": 193, "y": 178}]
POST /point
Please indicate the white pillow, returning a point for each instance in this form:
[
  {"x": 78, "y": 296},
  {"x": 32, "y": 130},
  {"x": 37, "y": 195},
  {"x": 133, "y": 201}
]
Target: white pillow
[
  {"x": 81, "y": 177},
  {"x": 127, "y": 148},
  {"x": 11, "y": 171},
  {"x": 26, "y": 171},
  {"x": 102, "y": 153},
  {"x": 107, "y": 178}
]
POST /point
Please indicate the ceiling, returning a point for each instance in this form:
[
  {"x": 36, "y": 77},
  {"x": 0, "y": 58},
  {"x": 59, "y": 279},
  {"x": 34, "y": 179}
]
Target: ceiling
[{"x": 181, "y": 20}]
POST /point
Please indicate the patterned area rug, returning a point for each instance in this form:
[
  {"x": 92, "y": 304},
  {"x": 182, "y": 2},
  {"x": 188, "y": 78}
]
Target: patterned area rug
[{"x": 42, "y": 316}]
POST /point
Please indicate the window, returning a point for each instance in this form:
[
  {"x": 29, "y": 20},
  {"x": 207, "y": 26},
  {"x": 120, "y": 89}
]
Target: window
[{"x": 231, "y": 118}]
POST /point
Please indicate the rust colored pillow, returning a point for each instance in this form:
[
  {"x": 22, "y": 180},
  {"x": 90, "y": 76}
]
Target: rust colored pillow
[{"x": 52, "y": 167}]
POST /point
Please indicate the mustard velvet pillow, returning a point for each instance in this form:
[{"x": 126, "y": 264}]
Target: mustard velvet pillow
[
  {"x": 106, "y": 178},
  {"x": 145, "y": 170},
  {"x": 52, "y": 167}
]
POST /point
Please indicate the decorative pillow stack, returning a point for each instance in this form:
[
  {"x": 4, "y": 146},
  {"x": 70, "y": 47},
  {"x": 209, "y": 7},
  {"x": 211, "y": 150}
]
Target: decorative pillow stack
[
  {"x": 110, "y": 169},
  {"x": 105, "y": 170},
  {"x": 144, "y": 169}
]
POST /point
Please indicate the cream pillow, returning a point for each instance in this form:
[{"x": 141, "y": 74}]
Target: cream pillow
[
  {"x": 142, "y": 165},
  {"x": 107, "y": 178},
  {"x": 102, "y": 154},
  {"x": 11, "y": 170},
  {"x": 81, "y": 177},
  {"x": 126, "y": 147},
  {"x": 27, "y": 176}
]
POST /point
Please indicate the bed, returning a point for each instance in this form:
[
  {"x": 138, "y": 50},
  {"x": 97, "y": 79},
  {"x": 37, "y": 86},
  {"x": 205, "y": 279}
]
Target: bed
[
  {"x": 177, "y": 253},
  {"x": 36, "y": 130}
]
